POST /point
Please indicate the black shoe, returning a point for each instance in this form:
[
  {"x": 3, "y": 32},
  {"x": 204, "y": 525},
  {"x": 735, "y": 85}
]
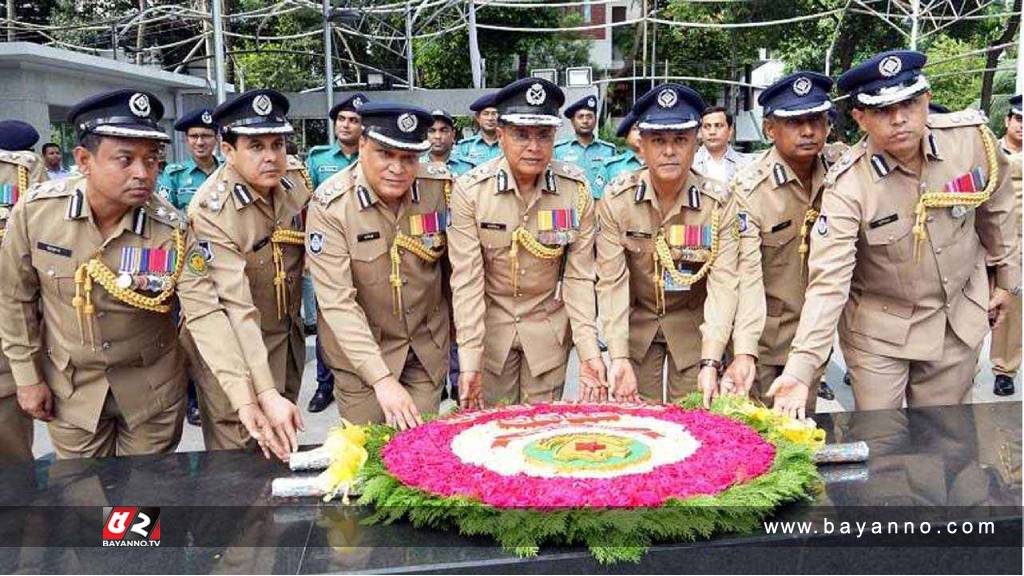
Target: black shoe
[
  {"x": 825, "y": 391},
  {"x": 192, "y": 414},
  {"x": 309, "y": 329},
  {"x": 321, "y": 400},
  {"x": 846, "y": 379},
  {"x": 1003, "y": 386}
]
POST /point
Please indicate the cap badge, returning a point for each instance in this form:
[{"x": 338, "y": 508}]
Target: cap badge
[
  {"x": 262, "y": 105},
  {"x": 407, "y": 122},
  {"x": 139, "y": 105},
  {"x": 535, "y": 95},
  {"x": 357, "y": 102},
  {"x": 207, "y": 118},
  {"x": 667, "y": 98},
  {"x": 592, "y": 103},
  {"x": 802, "y": 86},
  {"x": 890, "y": 66}
]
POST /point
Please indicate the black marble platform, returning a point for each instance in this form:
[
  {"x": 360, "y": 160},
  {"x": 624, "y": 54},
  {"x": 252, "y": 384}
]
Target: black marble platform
[{"x": 930, "y": 466}]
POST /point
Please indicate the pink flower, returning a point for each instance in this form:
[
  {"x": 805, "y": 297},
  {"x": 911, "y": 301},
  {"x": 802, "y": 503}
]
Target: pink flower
[{"x": 730, "y": 453}]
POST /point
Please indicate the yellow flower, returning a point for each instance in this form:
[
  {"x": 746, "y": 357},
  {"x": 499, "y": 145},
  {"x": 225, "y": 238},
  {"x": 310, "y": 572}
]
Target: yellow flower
[
  {"x": 802, "y": 432},
  {"x": 345, "y": 444}
]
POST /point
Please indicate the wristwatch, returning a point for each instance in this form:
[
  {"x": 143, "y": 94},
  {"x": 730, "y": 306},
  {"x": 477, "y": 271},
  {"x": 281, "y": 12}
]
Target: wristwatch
[{"x": 705, "y": 362}]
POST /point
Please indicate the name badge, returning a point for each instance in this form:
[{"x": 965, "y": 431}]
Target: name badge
[
  {"x": 367, "y": 236},
  {"x": 637, "y": 234},
  {"x": 52, "y": 249},
  {"x": 782, "y": 226},
  {"x": 493, "y": 226},
  {"x": 883, "y": 221}
]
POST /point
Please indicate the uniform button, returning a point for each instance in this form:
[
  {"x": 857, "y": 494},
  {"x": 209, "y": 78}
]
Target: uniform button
[
  {"x": 945, "y": 280},
  {"x": 106, "y": 344},
  {"x": 948, "y": 306},
  {"x": 885, "y": 308},
  {"x": 261, "y": 262},
  {"x": 525, "y": 217},
  {"x": 938, "y": 250},
  {"x": 930, "y": 219},
  {"x": 50, "y": 272},
  {"x": 516, "y": 319},
  {"x": 891, "y": 238},
  {"x": 101, "y": 314}
]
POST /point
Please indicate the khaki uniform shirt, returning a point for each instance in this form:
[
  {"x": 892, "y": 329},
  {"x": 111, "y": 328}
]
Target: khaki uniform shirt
[
  {"x": 862, "y": 269},
  {"x": 631, "y": 219},
  {"x": 772, "y": 223},
  {"x": 133, "y": 353},
  {"x": 486, "y": 210},
  {"x": 13, "y": 167},
  {"x": 350, "y": 234},
  {"x": 1015, "y": 178},
  {"x": 229, "y": 297}
]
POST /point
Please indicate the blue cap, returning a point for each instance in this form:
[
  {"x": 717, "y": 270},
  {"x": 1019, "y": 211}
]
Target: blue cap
[
  {"x": 586, "y": 103},
  {"x": 198, "y": 118},
  {"x": 530, "y": 102},
  {"x": 16, "y": 135},
  {"x": 1015, "y": 105},
  {"x": 626, "y": 125},
  {"x": 669, "y": 107},
  {"x": 253, "y": 113},
  {"x": 353, "y": 103},
  {"x": 444, "y": 116},
  {"x": 798, "y": 94},
  {"x": 483, "y": 102},
  {"x": 397, "y": 125},
  {"x": 121, "y": 113},
  {"x": 886, "y": 78}
]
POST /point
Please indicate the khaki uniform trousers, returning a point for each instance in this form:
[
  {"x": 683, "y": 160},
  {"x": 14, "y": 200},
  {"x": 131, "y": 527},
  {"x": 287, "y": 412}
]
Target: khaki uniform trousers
[
  {"x": 16, "y": 429},
  {"x": 222, "y": 429},
  {"x": 1006, "y": 341},
  {"x": 880, "y": 382},
  {"x": 357, "y": 401},
  {"x": 650, "y": 374},
  {"x": 158, "y": 435},
  {"x": 517, "y": 384}
]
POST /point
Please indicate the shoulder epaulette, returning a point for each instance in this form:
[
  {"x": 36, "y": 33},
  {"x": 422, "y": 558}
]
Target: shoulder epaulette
[
  {"x": 434, "y": 172},
  {"x": 849, "y": 158},
  {"x": 478, "y": 173},
  {"x": 164, "y": 212},
  {"x": 833, "y": 152},
  {"x": 966, "y": 117},
  {"x": 335, "y": 187},
  {"x": 52, "y": 189},
  {"x": 24, "y": 158},
  {"x": 568, "y": 170},
  {"x": 176, "y": 167},
  {"x": 621, "y": 183},
  {"x": 750, "y": 176},
  {"x": 714, "y": 188}
]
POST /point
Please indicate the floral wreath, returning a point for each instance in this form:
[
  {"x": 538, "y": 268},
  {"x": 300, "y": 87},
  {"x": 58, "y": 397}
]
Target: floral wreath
[{"x": 594, "y": 474}]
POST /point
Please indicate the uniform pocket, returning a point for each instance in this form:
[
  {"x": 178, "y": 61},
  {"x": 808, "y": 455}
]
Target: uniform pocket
[
  {"x": 495, "y": 237},
  {"x": 882, "y": 318},
  {"x": 894, "y": 238},
  {"x": 60, "y": 375},
  {"x": 370, "y": 262},
  {"x": 56, "y": 273}
]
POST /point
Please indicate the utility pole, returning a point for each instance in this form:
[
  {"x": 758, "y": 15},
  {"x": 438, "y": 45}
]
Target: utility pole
[
  {"x": 915, "y": 17},
  {"x": 218, "y": 50},
  {"x": 10, "y": 20},
  {"x": 474, "y": 48},
  {"x": 328, "y": 67},
  {"x": 410, "y": 65}
]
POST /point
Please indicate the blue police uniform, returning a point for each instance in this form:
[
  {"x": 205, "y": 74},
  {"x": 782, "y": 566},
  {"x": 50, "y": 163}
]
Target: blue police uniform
[
  {"x": 590, "y": 158},
  {"x": 179, "y": 182},
  {"x": 474, "y": 150}
]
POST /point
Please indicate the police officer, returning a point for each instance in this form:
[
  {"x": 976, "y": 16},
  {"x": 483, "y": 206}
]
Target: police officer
[
  {"x": 241, "y": 290},
  {"x": 897, "y": 257},
  {"x": 376, "y": 240},
  {"x": 441, "y": 137},
  {"x": 629, "y": 160},
  {"x": 659, "y": 237},
  {"x": 777, "y": 200},
  {"x": 522, "y": 253},
  {"x": 323, "y": 162},
  {"x": 99, "y": 255},
  {"x": 482, "y": 146},
  {"x": 19, "y": 169},
  {"x": 585, "y": 149},
  {"x": 179, "y": 182},
  {"x": 1006, "y": 338}
]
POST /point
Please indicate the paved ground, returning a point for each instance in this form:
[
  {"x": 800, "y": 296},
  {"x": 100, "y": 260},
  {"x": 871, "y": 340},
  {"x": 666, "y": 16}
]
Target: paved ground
[{"x": 318, "y": 424}]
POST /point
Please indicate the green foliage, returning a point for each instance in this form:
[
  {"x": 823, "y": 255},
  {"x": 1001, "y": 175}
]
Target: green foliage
[
  {"x": 950, "y": 87},
  {"x": 611, "y": 535}
]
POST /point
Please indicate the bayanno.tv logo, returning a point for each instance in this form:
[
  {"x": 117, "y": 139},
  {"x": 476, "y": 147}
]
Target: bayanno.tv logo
[{"x": 131, "y": 526}]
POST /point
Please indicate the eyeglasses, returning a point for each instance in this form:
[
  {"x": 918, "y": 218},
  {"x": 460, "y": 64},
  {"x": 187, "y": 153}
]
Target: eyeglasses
[
  {"x": 523, "y": 137},
  {"x": 198, "y": 137}
]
